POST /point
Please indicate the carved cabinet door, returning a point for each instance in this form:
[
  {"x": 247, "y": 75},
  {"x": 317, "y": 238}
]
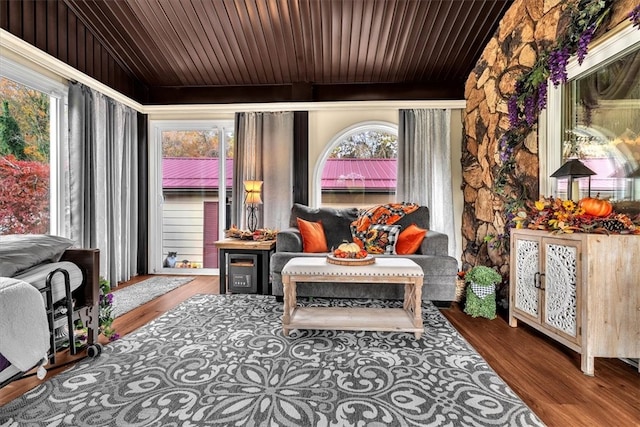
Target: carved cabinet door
[
  {"x": 526, "y": 276},
  {"x": 561, "y": 264},
  {"x": 546, "y": 283}
]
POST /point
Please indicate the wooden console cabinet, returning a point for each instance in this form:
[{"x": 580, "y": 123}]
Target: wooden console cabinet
[{"x": 580, "y": 289}]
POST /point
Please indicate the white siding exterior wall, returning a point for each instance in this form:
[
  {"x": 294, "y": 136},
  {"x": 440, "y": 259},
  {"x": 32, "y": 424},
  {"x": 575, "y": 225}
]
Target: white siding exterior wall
[{"x": 183, "y": 226}]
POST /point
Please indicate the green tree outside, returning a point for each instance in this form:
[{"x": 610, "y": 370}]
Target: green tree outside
[
  {"x": 194, "y": 144},
  {"x": 367, "y": 145},
  {"x": 24, "y": 159},
  {"x": 11, "y": 140},
  {"x": 30, "y": 109}
]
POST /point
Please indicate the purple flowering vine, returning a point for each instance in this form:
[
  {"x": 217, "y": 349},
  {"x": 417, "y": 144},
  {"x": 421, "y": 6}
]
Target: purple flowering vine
[
  {"x": 583, "y": 42},
  {"x": 530, "y": 94},
  {"x": 558, "y": 60},
  {"x": 542, "y": 96},
  {"x": 514, "y": 112},
  {"x": 634, "y": 16},
  {"x": 506, "y": 151},
  {"x": 530, "y": 111}
]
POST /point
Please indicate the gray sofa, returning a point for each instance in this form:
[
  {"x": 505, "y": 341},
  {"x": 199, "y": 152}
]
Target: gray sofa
[{"x": 440, "y": 270}]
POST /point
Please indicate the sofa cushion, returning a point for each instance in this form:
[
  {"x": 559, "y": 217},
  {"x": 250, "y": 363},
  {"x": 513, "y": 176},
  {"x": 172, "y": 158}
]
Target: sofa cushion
[
  {"x": 381, "y": 239},
  {"x": 410, "y": 240},
  {"x": 419, "y": 217},
  {"x": 313, "y": 237},
  {"x": 387, "y": 214},
  {"x": 336, "y": 222}
]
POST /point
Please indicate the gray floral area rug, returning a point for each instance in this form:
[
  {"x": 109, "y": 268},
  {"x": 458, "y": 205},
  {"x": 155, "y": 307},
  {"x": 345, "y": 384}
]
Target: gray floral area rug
[
  {"x": 126, "y": 299},
  {"x": 223, "y": 360}
]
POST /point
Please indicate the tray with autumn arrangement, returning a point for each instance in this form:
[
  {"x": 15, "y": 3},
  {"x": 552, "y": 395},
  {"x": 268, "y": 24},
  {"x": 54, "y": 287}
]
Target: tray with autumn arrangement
[{"x": 350, "y": 254}]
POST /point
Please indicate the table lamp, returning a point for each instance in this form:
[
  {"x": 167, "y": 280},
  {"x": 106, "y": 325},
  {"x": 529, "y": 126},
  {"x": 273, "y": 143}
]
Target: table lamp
[{"x": 252, "y": 200}]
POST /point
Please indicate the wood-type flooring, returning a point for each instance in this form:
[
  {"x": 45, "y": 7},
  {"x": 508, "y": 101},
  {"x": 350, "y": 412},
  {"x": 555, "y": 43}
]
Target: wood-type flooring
[{"x": 545, "y": 374}]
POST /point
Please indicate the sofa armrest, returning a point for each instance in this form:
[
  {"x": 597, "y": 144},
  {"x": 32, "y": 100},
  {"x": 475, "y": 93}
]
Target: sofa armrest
[
  {"x": 435, "y": 243},
  {"x": 289, "y": 240}
]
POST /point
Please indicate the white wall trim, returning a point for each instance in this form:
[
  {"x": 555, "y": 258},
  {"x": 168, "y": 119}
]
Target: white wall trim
[
  {"x": 623, "y": 40},
  {"x": 38, "y": 57}
]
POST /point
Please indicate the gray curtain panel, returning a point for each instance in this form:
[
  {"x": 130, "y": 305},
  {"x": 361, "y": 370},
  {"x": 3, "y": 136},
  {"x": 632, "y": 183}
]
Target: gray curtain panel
[
  {"x": 102, "y": 180},
  {"x": 264, "y": 151},
  {"x": 424, "y": 166}
]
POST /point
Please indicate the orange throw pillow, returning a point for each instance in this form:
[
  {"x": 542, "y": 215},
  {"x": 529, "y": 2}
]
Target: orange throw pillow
[
  {"x": 313, "y": 238},
  {"x": 410, "y": 240}
]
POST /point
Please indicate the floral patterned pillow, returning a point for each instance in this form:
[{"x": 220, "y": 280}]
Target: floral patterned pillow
[{"x": 381, "y": 239}]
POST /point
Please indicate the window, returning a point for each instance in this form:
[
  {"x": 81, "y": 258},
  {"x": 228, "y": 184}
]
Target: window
[
  {"x": 600, "y": 122},
  {"x": 31, "y": 126},
  {"x": 192, "y": 179},
  {"x": 359, "y": 166}
]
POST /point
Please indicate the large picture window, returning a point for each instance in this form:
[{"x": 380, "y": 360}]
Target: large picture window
[
  {"x": 600, "y": 121},
  {"x": 31, "y": 126},
  {"x": 602, "y": 126}
]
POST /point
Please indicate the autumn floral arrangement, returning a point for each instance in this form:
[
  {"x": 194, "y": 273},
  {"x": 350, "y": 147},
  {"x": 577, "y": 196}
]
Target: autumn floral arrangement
[
  {"x": 589, "y": 215},
  {"x": 260, "y": 234}
]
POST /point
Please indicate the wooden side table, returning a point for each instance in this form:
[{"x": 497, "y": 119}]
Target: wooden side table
[{"x": 263, "y": 249}]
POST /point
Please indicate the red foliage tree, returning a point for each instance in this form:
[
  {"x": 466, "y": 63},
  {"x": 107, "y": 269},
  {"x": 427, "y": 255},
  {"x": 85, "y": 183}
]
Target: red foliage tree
[{"x": 24, "y": 196}]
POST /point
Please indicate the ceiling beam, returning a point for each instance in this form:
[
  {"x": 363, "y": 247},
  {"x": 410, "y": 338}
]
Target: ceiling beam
[{"x": 304, "y": 92}]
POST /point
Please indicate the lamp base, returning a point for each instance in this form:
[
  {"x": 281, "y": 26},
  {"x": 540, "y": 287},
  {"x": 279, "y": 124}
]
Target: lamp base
[{"x": 252, "y": 218}]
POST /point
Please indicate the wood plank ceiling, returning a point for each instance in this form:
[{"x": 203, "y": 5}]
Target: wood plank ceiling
[{"x": 288, "y": 50}]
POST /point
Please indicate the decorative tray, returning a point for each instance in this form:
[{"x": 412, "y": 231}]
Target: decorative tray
[{"x": 368, "y": 260}]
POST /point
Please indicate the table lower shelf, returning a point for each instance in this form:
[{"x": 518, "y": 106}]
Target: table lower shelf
[{"x": 353, "y": 319}]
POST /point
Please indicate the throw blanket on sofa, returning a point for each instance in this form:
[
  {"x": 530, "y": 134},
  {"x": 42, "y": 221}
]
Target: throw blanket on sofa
[{"x": 387, "y": 214}]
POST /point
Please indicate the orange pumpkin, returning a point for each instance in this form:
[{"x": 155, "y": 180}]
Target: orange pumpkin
[{"x": 596, "y": 206}]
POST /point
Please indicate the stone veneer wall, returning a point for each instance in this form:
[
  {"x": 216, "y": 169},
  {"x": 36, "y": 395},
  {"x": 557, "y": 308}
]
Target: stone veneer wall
[{"x": 528, "y": 28}]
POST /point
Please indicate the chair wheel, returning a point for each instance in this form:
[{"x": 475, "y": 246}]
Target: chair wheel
[{"x": 94, "y": 350}]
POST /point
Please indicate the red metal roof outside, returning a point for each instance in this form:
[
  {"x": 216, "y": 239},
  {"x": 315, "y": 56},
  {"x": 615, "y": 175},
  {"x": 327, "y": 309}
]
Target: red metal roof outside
[
  {"x": 189, "y": 173},
  {"x": 372, "y": 174},
  {"x": 338, "y": 174}
]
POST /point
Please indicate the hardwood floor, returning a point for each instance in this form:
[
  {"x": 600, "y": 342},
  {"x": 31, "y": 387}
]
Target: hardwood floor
[
  {"x": 544, "y": 374},
  {"x": 547, "y": 375}
]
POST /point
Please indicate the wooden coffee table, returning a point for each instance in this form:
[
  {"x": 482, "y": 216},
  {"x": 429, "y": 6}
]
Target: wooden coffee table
[{"x": 395, "y": 271}]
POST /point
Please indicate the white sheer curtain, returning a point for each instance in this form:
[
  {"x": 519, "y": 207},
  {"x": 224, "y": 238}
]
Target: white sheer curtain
[
  {"x": 424, "y": 167},
  {"x": 264, "y": 152},
  {"x": 102, "y": 180}
]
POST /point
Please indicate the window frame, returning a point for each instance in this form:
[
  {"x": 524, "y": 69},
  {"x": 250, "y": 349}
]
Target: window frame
[
  {"x": 156, "y": 199},
  {"x": 58, "y": 132},
  {"x": 600, "y": 54},
  {"x": 375, "y": 125}
]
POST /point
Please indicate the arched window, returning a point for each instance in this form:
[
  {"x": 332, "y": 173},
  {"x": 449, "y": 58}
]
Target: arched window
[{"x": 359, "y": 166}]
